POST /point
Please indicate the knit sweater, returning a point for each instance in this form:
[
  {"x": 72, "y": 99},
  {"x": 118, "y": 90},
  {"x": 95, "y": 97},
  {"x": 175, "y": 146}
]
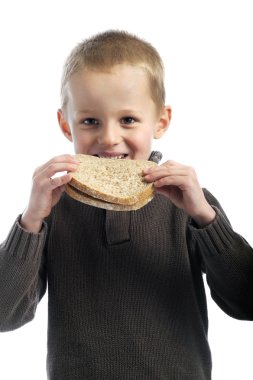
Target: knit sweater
[{"x": 126, "y": 298}]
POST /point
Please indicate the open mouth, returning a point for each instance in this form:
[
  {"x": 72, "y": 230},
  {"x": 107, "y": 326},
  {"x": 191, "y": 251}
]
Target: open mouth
[{"x": 111, "y": 156}]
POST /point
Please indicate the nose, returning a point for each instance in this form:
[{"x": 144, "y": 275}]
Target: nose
[{"x": 109, "y": 135}]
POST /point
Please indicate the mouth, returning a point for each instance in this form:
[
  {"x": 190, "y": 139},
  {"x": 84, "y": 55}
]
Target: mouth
[{"x": 112, "y": 156}]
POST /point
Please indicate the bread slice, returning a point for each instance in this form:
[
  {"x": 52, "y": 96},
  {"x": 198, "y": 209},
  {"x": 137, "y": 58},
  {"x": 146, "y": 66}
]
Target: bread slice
[
  {"x": 87, "y": 199},
  {"x": 113, "y": 180}
]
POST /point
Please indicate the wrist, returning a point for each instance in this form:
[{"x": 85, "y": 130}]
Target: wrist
[
  {"x": 206, "y": 217},
  {"x": 30, "y": 223}
]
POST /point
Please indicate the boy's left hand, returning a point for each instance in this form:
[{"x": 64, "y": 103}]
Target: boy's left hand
[{"x": 180, "y": 184}]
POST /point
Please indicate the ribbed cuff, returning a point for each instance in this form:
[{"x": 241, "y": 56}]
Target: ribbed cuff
[
  {"x": 23, "y": 244},
  {"x": 216, "y": 237}
]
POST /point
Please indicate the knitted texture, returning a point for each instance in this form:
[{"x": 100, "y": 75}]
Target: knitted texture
[
  {"x": 125, "y": 290},
  {"x": 121, "y": 297}
]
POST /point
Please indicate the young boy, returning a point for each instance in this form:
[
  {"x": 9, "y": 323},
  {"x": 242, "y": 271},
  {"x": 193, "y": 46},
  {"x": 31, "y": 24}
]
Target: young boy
[{"x": 126, "y": 296}]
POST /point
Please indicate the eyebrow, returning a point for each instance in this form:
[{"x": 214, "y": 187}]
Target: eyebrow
[
  {"x": 129, "y": 110},
  {"x": 86, "y": 111},
  {"x": 122, "y": 111}
]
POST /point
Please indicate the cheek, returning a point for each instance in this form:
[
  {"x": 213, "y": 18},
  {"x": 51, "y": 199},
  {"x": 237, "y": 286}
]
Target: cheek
[
  {"x": 82, "y": 141},
  {"x": 141, "y": 142},
  {"x": 143, "y": 137}
]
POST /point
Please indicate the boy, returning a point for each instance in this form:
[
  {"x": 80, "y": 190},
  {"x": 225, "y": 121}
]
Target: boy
[{"x": 125, "y": 289}]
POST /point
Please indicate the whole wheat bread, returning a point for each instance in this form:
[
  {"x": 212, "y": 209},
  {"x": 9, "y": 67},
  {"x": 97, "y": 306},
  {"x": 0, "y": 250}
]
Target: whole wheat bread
[
  {"x": 114, "y": 181},
  {"x": 87, "y": 199}
]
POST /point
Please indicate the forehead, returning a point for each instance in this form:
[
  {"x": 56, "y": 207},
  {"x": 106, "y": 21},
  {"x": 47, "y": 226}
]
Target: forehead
[
  {"x": 124, "y": 75},
  {"x": 122, "y": 82}
]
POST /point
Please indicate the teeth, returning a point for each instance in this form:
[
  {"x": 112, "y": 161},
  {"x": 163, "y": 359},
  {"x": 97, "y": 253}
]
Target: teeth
[{"x": 113, "y": 157}]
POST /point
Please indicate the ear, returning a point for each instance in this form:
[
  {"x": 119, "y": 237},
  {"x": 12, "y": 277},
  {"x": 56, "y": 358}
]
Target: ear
[
  {"x": 64, "y": 125},
  {"x": 163, "y": 123}
]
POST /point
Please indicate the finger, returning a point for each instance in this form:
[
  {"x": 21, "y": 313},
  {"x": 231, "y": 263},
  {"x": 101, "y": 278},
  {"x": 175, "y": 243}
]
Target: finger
[
  {"x": 183, "y": 180},
  {"x": 56, "y": 168},
  {"x": 178, "y": 181},
  {"x": 47, "y": 184},
  {"x": 168, "y": 164},
  {"x": 63, "y": 159},
  {"x": 60, "y": 181},
  {"x": 163, "y": 171},
  {"x": 52, "y": 170}
]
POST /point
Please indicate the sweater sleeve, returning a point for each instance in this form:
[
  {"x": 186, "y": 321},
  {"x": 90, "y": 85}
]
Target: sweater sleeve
[
  {"x": 22, "y": 276},
  {"x": 228, "y": 262}
]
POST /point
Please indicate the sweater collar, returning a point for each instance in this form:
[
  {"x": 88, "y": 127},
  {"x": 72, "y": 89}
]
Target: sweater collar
[{"x": 155, "y": 156}]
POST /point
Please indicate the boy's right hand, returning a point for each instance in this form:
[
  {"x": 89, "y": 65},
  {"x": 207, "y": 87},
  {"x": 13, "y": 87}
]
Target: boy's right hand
[{"x": 47, "y": 190}]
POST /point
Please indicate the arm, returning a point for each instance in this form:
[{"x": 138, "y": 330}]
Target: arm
[
  {"x": 227, "y": 258},
  {"x": 22, "y": 262},
  {"x": 228, "y": 263},
  {"x": 22, "y": 276}
]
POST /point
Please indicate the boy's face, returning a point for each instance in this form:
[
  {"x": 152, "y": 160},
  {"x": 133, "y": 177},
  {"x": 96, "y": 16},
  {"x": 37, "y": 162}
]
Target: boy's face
[{"x": 112, "y": 114}]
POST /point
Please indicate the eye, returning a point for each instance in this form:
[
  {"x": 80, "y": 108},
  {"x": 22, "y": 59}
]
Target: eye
[
  {"x": 128, "y": 120},
  {"x": 90, "y": 121}
]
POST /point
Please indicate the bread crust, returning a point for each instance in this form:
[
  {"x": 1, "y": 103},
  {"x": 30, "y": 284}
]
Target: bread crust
[
  {"x": 148, "y": 192},
  {"x": 85, "y": 198},
  {"x": 128, "y": 173}
]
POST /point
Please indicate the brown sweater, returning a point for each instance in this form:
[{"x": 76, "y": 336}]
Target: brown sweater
[{"x": 125, "y": 289}]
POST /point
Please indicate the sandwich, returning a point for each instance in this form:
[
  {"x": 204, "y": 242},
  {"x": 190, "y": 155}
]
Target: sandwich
[{"x": 112, "y": 184}]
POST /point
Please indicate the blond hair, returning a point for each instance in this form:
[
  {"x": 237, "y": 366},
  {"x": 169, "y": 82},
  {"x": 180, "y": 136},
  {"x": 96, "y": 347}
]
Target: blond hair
[{"x": 105, "y": 50}]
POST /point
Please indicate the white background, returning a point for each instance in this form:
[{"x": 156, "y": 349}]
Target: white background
[{"x": 207, "y": 50}]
